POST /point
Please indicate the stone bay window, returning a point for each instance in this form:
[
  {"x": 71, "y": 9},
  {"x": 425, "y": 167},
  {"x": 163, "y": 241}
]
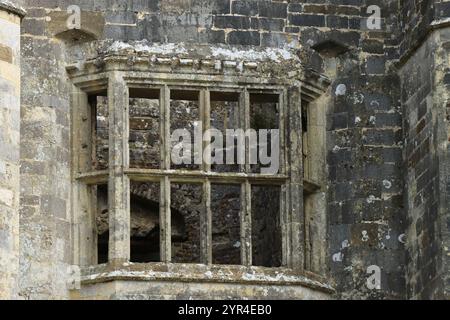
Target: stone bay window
[{"x": 139, "y": 215}]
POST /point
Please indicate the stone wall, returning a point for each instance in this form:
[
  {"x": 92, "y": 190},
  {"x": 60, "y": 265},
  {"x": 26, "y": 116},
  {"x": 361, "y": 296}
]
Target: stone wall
[
  {"x": 45, "y": 216},
  {"x": 9, "y": 147},
  {"x": 423, "y": 68},
  {"x": 364, "y": 201},
  {"x": 424, "y": 99},
  {"x": 370, "y": 218},
  {"x": 364, "y": 124},
  {"x": 417, "y": 99},
  {"x": 163, "y": 290},
  {"x": 417, "y": 20}
]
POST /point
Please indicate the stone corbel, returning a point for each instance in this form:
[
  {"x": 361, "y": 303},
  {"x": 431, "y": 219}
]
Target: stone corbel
[
  {"x": 91, "y": 28},
  {"x": 313, "y": 85}
]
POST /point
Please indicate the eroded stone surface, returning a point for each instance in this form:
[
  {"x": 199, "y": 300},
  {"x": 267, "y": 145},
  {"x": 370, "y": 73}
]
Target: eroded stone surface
[{"x": 386, "y": 134}]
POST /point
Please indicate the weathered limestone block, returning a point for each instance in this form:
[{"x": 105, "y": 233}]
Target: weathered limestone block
[{"x": 10, "y": 17}]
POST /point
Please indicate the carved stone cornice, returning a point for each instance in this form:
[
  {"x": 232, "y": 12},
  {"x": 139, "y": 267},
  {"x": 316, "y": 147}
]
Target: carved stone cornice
[{"x": 204, "y": 63}]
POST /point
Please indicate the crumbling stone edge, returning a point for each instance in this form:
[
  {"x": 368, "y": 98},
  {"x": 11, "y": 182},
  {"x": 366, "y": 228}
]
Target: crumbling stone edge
[
  {"x": 203, "y": 274},
  {"x": 12, "y": 8}
]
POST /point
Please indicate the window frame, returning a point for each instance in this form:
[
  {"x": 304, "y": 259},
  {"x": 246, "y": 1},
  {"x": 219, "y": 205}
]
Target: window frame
[{"x": 117, "y": 83}]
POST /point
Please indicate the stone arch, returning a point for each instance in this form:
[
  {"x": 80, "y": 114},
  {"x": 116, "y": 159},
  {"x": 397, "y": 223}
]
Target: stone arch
[{"x": 91, "y": 26}]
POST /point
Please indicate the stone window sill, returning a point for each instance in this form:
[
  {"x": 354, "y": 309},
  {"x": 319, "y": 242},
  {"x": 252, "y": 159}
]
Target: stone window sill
[{"x": 203, "y": 274}]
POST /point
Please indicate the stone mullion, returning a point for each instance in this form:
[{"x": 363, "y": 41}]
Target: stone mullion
[
  {"x": 165, "y": 201},
  {"x": 284, "y": 167},
  {"x": 246, "y": 224},
  {"x": 165, "y": 127},
  {"x": 206, "y": 225},
  {"x": 206, "y": 215},
  {"x": 119, "y": 184},
  {"x": 84, "y": 207},
  {"x": 245, "y": 123},
  {"x": 246, "y": 218},
  {"x": 165, "y": 221},
  {"x": 205, "y": 114},
  {"x": 283, "y": 107},
  {"x": 295, "y": 227}
]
